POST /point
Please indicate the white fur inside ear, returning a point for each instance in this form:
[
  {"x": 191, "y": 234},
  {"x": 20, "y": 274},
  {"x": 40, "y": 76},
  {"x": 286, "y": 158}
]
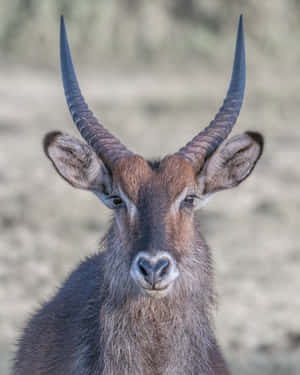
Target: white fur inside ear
[
  {"x": 230, "y": 164},
  {"x": 78, "y": 164}
]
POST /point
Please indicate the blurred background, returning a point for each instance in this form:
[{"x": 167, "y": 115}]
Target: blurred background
[{"x": 155, "y": 73}]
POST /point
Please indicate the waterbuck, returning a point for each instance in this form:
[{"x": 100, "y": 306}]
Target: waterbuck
[{"x": 143, "y": 304}]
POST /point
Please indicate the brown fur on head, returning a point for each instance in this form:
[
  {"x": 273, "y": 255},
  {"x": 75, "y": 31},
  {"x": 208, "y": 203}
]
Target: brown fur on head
[{"x": 154, "y": 207}]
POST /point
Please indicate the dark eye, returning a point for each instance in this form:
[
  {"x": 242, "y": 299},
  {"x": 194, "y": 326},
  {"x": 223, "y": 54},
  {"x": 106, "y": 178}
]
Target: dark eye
[
  {"x": 116, "y": 201},
  {"x": 189, "y": 200}
]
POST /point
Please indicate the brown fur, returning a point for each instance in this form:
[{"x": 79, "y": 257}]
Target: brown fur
[{"x": 100, "y": 322}]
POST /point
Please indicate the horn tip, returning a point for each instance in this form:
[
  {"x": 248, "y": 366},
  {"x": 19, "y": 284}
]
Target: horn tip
[
  {"x": 62, "y": 22},
  {"x": 240, "y": 27}
]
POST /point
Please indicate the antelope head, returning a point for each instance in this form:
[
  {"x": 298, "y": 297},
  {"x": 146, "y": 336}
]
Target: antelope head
[{"x": 154, "y": 203}]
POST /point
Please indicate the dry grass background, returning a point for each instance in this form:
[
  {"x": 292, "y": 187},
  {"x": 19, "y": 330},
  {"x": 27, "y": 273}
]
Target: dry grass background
[{"x": 155, "y": 73}]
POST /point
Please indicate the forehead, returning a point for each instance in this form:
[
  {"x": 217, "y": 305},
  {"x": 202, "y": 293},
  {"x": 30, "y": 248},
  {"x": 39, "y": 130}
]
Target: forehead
[{"x": 135, "y": 176}]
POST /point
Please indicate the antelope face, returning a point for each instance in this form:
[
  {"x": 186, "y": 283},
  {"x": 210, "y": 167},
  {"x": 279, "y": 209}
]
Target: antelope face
[
  {"x": 154, "y": 203},
  {"x": 156, "y": 219}
]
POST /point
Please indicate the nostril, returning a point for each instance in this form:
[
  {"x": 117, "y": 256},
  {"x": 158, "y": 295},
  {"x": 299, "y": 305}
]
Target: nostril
[
  {"x": 162, "y": 268},
  {"x": 143, "y": 270},
  {"x": 144, "y": 267}
]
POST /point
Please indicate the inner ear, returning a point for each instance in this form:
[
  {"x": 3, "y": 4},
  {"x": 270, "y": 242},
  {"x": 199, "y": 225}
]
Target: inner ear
[
  {"x": 77, "y": 163},
  {"x": 231, "y": 163}
]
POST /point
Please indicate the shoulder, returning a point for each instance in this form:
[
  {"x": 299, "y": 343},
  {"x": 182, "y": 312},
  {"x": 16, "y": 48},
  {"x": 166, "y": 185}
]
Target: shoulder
[{"x": 83, "y": 283}]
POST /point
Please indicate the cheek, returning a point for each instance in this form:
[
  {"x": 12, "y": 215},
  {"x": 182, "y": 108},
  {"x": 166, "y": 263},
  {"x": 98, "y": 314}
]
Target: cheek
[
  {"x": 122, "y": 221},
  {"x": 127, "y": 225},
  {"x": 181, "y": 230}
]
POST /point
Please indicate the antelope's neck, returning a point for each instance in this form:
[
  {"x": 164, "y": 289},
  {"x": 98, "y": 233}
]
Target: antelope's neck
[{"x": 154, "y": 337}]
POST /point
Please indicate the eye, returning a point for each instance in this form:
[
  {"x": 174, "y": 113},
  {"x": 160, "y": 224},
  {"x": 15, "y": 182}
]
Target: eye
[
  {"x": 116, "y": 201},
  {"x": 189, "y": 200}
]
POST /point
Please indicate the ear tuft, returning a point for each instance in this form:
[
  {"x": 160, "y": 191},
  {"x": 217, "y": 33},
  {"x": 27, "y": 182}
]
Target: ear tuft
[
  {"x": 48, "y": 139},
  {"x": 259, "y": 139}
]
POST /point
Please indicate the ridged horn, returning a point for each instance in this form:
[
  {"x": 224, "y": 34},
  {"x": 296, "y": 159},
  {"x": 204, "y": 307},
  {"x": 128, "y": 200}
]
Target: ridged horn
[
  {"x": 206, "y": 142},
  {"x": 105, "y": 145}
]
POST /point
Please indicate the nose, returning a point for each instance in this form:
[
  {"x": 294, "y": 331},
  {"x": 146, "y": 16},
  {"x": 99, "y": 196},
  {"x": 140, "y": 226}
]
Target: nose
[{"x": 154, "y": 271}]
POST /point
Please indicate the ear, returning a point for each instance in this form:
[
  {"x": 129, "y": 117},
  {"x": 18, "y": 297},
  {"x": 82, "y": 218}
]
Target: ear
[
  {"x": 231, "y": 163},
  {"x": 78, "y": 164}
]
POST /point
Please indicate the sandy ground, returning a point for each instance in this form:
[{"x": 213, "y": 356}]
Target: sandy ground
[{"x": 46, "y": 227}]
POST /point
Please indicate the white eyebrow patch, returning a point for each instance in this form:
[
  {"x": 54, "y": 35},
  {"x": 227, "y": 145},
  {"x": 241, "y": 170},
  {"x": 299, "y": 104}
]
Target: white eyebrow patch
[
  {"x": 131, "y": 207},
  {"x": 176, "y": 204}
]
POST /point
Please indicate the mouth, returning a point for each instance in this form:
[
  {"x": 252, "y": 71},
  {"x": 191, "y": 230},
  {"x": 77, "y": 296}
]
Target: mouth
[{"x": 157, "y": 292}]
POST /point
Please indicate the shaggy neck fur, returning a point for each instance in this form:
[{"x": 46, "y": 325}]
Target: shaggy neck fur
[{"x": 140, "y": 335}]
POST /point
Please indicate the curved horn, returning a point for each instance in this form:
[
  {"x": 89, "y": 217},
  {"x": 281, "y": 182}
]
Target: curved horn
[
  {"x": 206, "y": 142},
  {"x": 106, "y": 146}
]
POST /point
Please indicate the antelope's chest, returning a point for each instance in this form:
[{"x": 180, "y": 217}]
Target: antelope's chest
[{"x": 146, "y": 345}]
